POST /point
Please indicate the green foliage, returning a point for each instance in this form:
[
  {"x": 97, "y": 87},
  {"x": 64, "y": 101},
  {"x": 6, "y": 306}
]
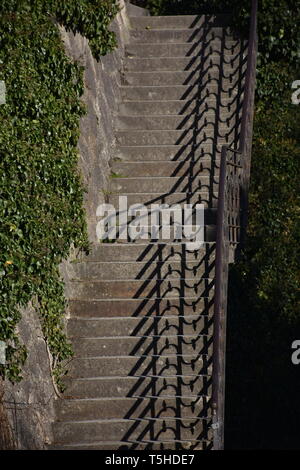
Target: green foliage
[
  {"x": 41, "y": 193},
  {"x": 91, "y": 18},
  {"x": 264, "y": 286},
  {"x": 274, "y": 229},
  {"x": 116, "y": 175}
]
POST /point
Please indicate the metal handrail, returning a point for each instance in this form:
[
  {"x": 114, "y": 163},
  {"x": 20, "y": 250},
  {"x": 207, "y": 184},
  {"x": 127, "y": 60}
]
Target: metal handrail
[{"x": 234, "y": 181}]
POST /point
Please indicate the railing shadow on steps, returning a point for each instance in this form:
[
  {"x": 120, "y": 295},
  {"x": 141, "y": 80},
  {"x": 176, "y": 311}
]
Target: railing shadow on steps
[
  {"x": 185, "y": 398},
  {"x": 231, "y": 226},
  {"x": 158, "y": 376}
]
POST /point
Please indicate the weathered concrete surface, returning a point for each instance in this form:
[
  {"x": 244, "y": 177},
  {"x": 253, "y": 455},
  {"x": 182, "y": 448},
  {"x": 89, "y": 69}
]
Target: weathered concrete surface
[
  {"x": 101, "y": 96},
  {"x": 29, "y": 404}
]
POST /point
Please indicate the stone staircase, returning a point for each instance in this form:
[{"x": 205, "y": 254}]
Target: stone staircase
[{"x": 142, "y": 311}]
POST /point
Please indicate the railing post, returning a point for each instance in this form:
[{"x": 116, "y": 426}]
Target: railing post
[
  {"x": 219, "y": 314},
  {"x": 223, "y": 236}
]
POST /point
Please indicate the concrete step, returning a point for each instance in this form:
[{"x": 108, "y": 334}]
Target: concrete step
[
  {"x": 116, "y": 327},
  {"x": 157, "y": 307},
  {"x": 205, "y": 197},
  {"x": 179, "y": 22},
  {"x": 178, "y": 77},
  {"x": 138, "y": 233},
  {"x": 139, "y": 270},
  {"x": 175, "y": 107},
  {"x": 158, "y": 215},
  {"x": 179, "y": 152},
  {"x": 148, "y": 252},
  {"x": 120, "y": 387},
  {"x": 132, "y": 366},
  {"x": 230, "y": 62},
  {"x": 141, "y": 346},
  {"x": 208, "y": 133},
  {"x": 185, "y": 49},
  {"x": 157, "y": 204},
  {"x": 137, "y": 289},
  {"x": 166, "y": 168},
  {"x": 89, "y": 409},
  {"x": 163, "y": 36},
  {"x": 161, "y": 184},
  {"x": 182, "y": 122},
  {"x": 181, "y": 92},
  {"x": 89, "y": 431}
]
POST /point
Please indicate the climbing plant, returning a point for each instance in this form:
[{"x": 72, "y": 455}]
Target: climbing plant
[{"x": 41, "y": 192}]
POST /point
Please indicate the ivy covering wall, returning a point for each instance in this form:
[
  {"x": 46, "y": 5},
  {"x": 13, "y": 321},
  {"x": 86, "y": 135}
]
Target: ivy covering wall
[{"x": 41, "y": 192}]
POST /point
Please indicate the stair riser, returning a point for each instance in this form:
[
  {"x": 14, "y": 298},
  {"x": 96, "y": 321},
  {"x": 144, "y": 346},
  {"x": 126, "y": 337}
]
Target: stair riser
[
  {"x": 176, "y": 107},
  {"x": 179, "y": 78},
  {"x": 157, "y": 216},
  {"x": 168, "y": 233},
  {"x": 182, "y": 92},
  {"x": 166, "y": 152},
  {"x": 88, "y": 432},
  {"x": 178, "y": 22},
  {"x": 206, "y": 49},
  {"x": 162, "y": 185},
  {"x": 129, "y": 366},
  {"x": 152, "y": 36},
  {"x": 109, "y": 327},
  {"x": 105, "y": 409},
  {"x": 203, "y": 197},
  {"x": 141, "y": 308},
  {"x": 192, "y": 62},
  {"x": 153, "y": 64},
  {"x": 123, "y": 271},
  {"x": 199, "y": 120},
  {"x": 134, "y": 366},
  {"x": 167, "y": 169},
  {"x": 174, "y": 137},
  {"x": 139, "y": 289},
  {"x": 133, "y": 387},
  {"x": 137, "y": 347},
  {"x": 148, "y": 252}
]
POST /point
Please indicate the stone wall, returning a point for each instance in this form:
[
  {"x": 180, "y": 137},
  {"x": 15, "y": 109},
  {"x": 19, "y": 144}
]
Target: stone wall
[
  {"x": 30, "y": 403},
  {"x": 97, "y": 142}
]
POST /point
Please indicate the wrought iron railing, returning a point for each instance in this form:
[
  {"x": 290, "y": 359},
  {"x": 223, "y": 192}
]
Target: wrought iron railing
[{"x": 231, "y": 223}]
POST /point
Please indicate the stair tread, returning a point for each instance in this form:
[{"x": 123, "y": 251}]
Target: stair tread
[
  {"x": 180, "y": 43},
  {"x": 120, "y": 420}
]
